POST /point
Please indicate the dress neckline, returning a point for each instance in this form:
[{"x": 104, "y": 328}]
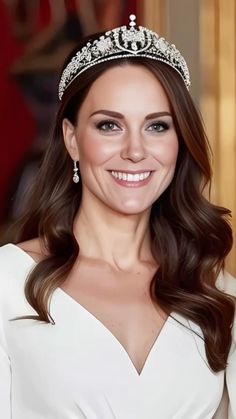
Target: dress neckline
[{"x": 77, "y": 305}]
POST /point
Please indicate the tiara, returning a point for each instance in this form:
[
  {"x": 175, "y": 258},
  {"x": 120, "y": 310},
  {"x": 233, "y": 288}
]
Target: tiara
[{"x": 122, "y": 42}]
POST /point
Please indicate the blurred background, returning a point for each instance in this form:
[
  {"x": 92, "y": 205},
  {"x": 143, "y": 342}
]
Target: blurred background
[{"x": 37, "y": 35}]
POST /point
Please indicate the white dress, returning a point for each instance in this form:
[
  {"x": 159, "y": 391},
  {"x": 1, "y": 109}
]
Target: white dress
[{"x": 77, "y": 369}]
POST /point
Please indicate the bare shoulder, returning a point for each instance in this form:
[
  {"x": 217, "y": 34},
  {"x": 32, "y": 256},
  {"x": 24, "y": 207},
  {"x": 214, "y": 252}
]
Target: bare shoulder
[{"x": 34, "y": 248}]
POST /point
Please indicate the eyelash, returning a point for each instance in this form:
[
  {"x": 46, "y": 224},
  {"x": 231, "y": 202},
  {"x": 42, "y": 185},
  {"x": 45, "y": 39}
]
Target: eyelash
[
  {"x": 164, "y": 126},
  {"x": 99, "y": 125}
]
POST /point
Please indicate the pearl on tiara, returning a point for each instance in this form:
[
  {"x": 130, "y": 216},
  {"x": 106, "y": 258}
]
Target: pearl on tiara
[
  {"x": 132, "y": 20},
  {"x": 122, "y": 42}
]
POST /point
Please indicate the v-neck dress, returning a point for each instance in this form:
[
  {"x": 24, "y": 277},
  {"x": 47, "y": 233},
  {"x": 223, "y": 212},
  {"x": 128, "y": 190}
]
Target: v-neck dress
[{"x": 77, "y": 369}]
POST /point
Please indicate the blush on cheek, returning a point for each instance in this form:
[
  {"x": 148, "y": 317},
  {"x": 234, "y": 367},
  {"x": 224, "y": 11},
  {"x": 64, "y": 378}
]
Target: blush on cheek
[
  {"x": 95, "y": 151},
  {"x": 167, "y": 153}
]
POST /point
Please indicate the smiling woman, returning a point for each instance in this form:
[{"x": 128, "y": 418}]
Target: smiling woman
[
  {"x": 113, "y": 295},
  {"x": 140, "y": 139}
]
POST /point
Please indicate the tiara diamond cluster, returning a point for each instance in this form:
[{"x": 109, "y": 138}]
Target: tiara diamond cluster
[{"x": 125, "y": 41}]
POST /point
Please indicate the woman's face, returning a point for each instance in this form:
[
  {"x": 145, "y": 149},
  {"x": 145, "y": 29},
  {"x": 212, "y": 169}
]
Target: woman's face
[{"x": 124, "y": 139}]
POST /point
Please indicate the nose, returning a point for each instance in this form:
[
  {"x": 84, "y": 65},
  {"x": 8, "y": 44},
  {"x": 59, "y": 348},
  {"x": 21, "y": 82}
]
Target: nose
[{"x": 134, "y": 149}]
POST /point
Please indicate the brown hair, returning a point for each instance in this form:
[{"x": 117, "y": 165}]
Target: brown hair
[{"x": 190, "y": 236}]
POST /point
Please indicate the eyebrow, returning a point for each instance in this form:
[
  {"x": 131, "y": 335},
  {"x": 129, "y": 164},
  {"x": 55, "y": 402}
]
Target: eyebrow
[{"x": 120, "y": 116}]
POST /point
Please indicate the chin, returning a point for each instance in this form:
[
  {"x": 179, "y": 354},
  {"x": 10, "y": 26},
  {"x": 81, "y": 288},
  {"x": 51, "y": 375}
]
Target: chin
[{"x": 131, "y": 208}]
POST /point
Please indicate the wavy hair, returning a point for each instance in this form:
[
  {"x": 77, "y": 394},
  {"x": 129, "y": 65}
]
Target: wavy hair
[{"x": 190, "y": 236}]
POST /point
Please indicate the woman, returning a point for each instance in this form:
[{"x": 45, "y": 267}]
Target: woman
[{"x": 113, "y": 292}]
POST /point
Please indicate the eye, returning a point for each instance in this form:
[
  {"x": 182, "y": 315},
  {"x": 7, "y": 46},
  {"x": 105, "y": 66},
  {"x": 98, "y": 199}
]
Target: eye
[
  {"x": 107, "y": 126},
  {"x": 158, "y": 126}
]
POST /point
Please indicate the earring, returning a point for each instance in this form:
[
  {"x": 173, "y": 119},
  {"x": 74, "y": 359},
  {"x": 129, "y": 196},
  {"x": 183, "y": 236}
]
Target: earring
[{"x": 75, "y": 170}]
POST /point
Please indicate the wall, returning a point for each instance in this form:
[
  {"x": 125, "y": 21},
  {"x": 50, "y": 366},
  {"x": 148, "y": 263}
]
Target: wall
[{"x": 205, "y": 32}]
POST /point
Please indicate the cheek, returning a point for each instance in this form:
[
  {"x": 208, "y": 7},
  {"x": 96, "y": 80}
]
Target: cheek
[
  {"x": 93, "y": 150},
  {"x": 167, "y": 151}
]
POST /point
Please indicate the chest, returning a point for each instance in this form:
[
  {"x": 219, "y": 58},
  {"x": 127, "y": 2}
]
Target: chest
[{"x": 122, "y": 304}]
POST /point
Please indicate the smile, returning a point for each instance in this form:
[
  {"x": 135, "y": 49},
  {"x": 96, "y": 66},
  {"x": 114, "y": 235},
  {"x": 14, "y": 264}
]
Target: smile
[{"x": 131, "y": 177}]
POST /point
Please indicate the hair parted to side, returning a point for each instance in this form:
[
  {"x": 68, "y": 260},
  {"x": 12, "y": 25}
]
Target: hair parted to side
[{"x": 190, "y": 236}]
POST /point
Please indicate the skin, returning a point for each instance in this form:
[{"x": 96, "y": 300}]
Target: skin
[{"x": 112, "y": 275}]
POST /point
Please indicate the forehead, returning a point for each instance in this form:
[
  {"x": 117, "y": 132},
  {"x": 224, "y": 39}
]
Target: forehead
[{"x": 127, "y": 87}]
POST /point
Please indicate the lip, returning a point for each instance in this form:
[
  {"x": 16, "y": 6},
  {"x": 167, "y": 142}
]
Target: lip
[{"x": 129, "y": 184}]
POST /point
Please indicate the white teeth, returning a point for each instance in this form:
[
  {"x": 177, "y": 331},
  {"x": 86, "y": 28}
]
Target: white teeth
[{"x": 130, "y": 177}]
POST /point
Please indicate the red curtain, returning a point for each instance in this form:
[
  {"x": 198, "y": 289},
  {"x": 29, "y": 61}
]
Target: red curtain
[{"x": 16, "y": 123}]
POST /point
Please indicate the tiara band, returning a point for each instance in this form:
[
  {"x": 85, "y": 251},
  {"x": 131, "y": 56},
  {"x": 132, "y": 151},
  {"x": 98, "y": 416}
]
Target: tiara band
[{"x": 124, "y": 42}]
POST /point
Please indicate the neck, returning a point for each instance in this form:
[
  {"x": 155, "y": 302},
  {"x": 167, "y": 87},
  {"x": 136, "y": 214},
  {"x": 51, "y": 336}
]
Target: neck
[{"x": 122, "y": 241}]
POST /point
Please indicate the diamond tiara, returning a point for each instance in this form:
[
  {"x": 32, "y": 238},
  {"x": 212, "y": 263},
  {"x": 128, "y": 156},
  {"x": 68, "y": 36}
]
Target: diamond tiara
[{"x": 124, "y": 42}]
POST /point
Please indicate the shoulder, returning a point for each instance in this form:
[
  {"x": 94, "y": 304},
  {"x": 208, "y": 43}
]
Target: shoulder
[
  {"x": 10, "y": 256},
  {"x": 14, "y": 254},
  {"x": 16, "y": 261},
  {"x": 33, "y": 248},
  {"x": 226, "y": 283},
  {"x": 15, "y": 265}
]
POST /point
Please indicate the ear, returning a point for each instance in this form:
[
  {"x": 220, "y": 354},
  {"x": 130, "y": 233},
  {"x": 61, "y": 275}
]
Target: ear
[{"x": 69, "y": 134}]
